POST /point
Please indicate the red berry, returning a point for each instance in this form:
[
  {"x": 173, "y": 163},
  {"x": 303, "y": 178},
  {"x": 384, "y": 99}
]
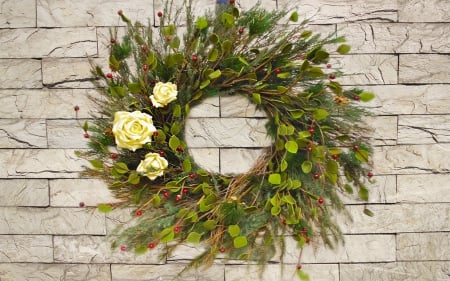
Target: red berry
[
  {"x": 369, "y": 174},
  {"x": 195, "y": 58},
  {"x": 305, "y": 229},
  {"x": 176, "y": 229},
  {"x": 113, "y": 41},
  {"x": 178, "y": 197},
  {"x": 151, "y": 245},
  {"x": 152, "y": 82},
  {"x": 356, "y": 97},
  {"x": 162, "y": 153},
  {"x": 241, "y": 30},
  {"x": 222, "y": 249},
  {"x": 114, "y": 155},
  {"x": 109, "y": 75},
  {"x": 160, "y": 14},
  {"x": 328, "y": 65},
  {"x": 185, "y": 190},
  {"x": 145, "y": 67},
  {"x": 311, "y": 131},
  {"x": 316, "y": 176},
  {"x": 166, "y": 107},
  {"x": 144, "y": 48},
  {"x": 76, "y": 108},
  {"x": 283, "y": 222},
  {"x": 180, "y": 148},
  {"x": 355, "y": 147},
  {"x": 86, "y": 135},
  {"x": 120, "y": 12},
  {"x": 138, "y": 213},
  {"x": 81, "y": 204},
  {"x": 335, "y": 156},
  {"x": 307, "y": 240},
  {"x": 166, "y": 194},
  {"x": 192, "y": 176},
  {"x": 320, "y": 201},
  {"x": 299, "y": 266},
  {"x": 277, "y": 70},
  {"x": 332, "y": 76},
  {"x": 232, "y": 1},
  {"x": 123, "y": 248},
  {"x": 309, "y": 148},
  {"x": 168, "y": 38}
]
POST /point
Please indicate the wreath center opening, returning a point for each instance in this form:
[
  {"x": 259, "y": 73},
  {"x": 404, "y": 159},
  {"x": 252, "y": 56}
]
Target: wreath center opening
[{"x": 226, "y": 134}]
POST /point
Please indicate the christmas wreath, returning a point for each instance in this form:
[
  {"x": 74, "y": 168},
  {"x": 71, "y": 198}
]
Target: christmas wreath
[{"x": 319, "y": 144}]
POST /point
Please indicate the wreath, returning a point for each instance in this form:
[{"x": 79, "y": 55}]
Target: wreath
[{"x": 319, "y": 142}]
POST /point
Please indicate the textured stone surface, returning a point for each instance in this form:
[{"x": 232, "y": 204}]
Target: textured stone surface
[
  {"x": 199, "y": 8},
  {"x": 239, "y": 106},
  {"x": 51, "y": 221},
  {"x": 209, "y": 107},
  {"x": 70, "y": 192},
  {"x": 96, "y": 249},
  {"x": 423, "y": 188},
  {"x": 36, "y": 43},
  {"x": 383, "y": 190},
  {"x": 397, "y": 38},
  {"x": 423, "y": 246},
  {"x": 23, "y": 133},
  {"x": 26, "y": 248},
  {"x": 410, "y": 159},
  {"x": 54, "y": 272},
  {"x": 207, "y": 158},
  {"x": 238, "y": 160},
  {"x": 40, "y": 104},
  {"x": 18, "y": 13},
  {"x": 398, "y": 218},
  {"x": 399, "y": 271},
  {"x": 20, "y": 73},
  {"x": 418, "y": 69},
  {"x": 416, "y": 129},
  {"x": 21, "y": 192},
  {"x": 68, "y": 73},
  {"x": 40, "y": 163},
  {"x": 383, "y": 129},
  {"x": 423, "y": 11},
  {"x": 66, "y": 134},
  {"x": 166, "y": 272}
]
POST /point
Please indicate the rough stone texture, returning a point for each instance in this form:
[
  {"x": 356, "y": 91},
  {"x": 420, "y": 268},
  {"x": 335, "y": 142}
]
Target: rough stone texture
[
  {"x": 416, "y": 129},
  {"x": 383, "y": 129},
  {"x": 66, "y": 134},
  {"x": 18, "y": 13},
  {"x": 425, "y": 188},
  {"x": 24, "y": 133},
  {"x": 396, "y": 271},
  {"x": 418, "y": 69},
  {"x": 207, "y": 158},
  {"x": 67, "y": 73},
  {"x": 423, "y": 11},
  {"x": 26, "y": 248},
  {"x": 238, "y": 160},
  {"x": 239, "y": 106},
  {"x": 54, "y": 272},
  {"x": 20, "y": 73},
  {"x": 209, "y": 107},
  {"x": 423, "y": 246},
  {"x": 37, "y": 43},
  {"x": 21, "y": 192},
  {"x": 383, "y": 190}
]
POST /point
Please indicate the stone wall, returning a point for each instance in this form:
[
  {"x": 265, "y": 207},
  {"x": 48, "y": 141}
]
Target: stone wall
[{"x": 400, "y": 51}]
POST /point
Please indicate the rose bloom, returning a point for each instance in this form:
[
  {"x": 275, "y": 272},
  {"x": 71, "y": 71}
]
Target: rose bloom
[
  {"x": 152, "y": 166},
  {"x": 163, "y": 94},
  {"x": 132, "y": 129}
]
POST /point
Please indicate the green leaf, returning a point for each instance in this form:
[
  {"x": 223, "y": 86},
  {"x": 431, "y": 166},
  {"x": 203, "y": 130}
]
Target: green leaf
[
  {"x": 167, "y": 235},
  {"x": 114, "y": 64},
  {"x": 118, "y": 91},
  {"x": 135, "y": 88},
  {"x": 275, "y": 210},
  {"x": 121, "y": 167},
  {"x": 175, "y": 128},
  {"x": 240, "y": 242},
  {"x": 177, "y": 111},
  {"x": 242, "y": 60},
  {"x": 291, "y": 146},
  {"x": 187, "y": 166},
  {"x": 227, "y": 20},
  {"x": 274, "y": 178},
  {"x": 283, "y": 165},
  {"x": 234, "y": 230},
  {"x": 320, "y": 114},
  {"x": 362, "y": 155},
  {"x": 304, "y": 134},
  {"x": 366, "y": 96},
  {"x": 194, "y": 237},
  {"x": 96, "y": 164},
  {"x": 296, "y": 114},
  {"x": 256, "y": 98},
  {"x": 174, "y": 142},
  {"x": 363, "y": 193},
  {"x": 104, "y": 208},
  {"x": 288, "y": 199},
  {"x": 85, "y": 126},
  {"x": 201, "y": 23},
  {"x": 175, "y": 42},
  {"x": 306, "y": 34},
  {"x": 227, "y": 46},
  {"x": 284, "y": 75},
  {"x": 216, "y": 74},
  {"x": 294, "y": 16},
  {"x": 368, "y": 212},
  {"x": 168, "y": 30},
  {"x": 156, "y": 200},
  {"x": 315, "y": 72},
  {"x": 213, "y": 55},
  {"x": 205, "y": 84},
  {"x": 343, "y": 49},
  {"x": 302, "y": 275},
  {"x": 210, "y": 224},
  {"x": 307, "y": 166},
  {"x": 140, "y": 250},
  {"x": 332, "y": 167},
  {"x": 134, "y": 178}
]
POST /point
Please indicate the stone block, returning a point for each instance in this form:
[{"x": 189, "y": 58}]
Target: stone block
[
  {"x": 45, "y": 104},
  {"x": 238, "y": 160},
  {"x": 423, "y": 188},
  {"x": 272, "y": 272},
  {"x": 207, "y": 158},
  {"x": 23, "y": 133},
  {"x": 120, "y": 218},
  {"x": 20, "y": 73},
  {"x": 410, "y": 99},
  {"x": 54, "y": 272},
  {"x": 18, "y": 13},
  {"x": 396, "y": 271},
  {"x": 411, "y": 159},
  {"x": 398, "y": 218},
  {"x": 226, "y": 132},
  {"x": 57, "y": 42},
  {"x": 21, "y": 192},
  {"x": 383, "y": 190},
  {"x": 97, "y": 249},
  {"x": 40, "y": 163},
  {"x": 26, "y": 248},
  {"x": 397, "y": 37},
  {"x": 423, "y": 11},
  {"x": 67, "y": 13},
  {"x": 357, "y": 248},
  {"x": 248, "y": 4},
  {"x": 419, "y": 129},
  {"x": 423, "y": 246},
  {"x": 239, "y": 106},
  {"x": 69, "y": 73},
  {"x": 383, "y": 129},
  {"x": 209, "y": 107},
  {"x": 61, "y": 221},
  {"x": 420, "y": 69},
  {"x": 70, "y": 192},
  {"x": 66, "y": 134},
  {"x": 199, "y": 8},
  {"x": 167, "y": 272}
]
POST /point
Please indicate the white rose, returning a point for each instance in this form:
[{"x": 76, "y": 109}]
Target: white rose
[
  {"x": 163, "y": 94},
  {"x": 132, "y": 129},
  {"x": 152, "y": 166}
]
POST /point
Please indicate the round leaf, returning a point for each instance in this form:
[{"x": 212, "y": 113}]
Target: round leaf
[
  {"x": 307, "y": 166},
  {"x": 240, "y": 242}
]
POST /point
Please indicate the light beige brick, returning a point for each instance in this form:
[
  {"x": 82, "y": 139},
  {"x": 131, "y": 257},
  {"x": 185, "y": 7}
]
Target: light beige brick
[
  {"x": 37, "y": 43},
  {"x": 68, "y": 73},
  {"x": 247, "y": 4},
  {"x": 411, "y": 159},
  {"x": 51, "y": 221},
  {"x": 383, "y": 190},
  {"x": 423, "y": 246},
  {"x": 40, "y": 163},
  {"x": 238, "y": 160},
  {"x": 45, "y": 104},
  {"x": 419, "y": 129},
  {"x": 21, "y": 192},
  {"x": 383, "y": 129},
  {"x": 23, "y": 133},
  {"x": 423, "y": 11},
  {"x": 239, "y": 106},
  {"x": 18, "y": 13},
  {"x": 26, "y": 248},
  {"x": 206, "y": 158},
  {"x": 420, "y": 69},
  {"x": 20, "y": 73},
  {"x": 166, "y": 272},
  {"x": 423, "y": 188},
  {"x": 208, "y": 107},
  {"x": 396, "y": 271},
  {"x": 397, "y": 37},
  {"x": 66, "y": 134},
  {"x": 398, "y": 218},
  {"x": 97, "y": 249},
  {"x": 70, "y": 192},
  {"x": 54, "y": 272}
]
